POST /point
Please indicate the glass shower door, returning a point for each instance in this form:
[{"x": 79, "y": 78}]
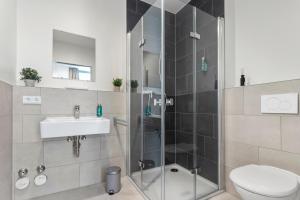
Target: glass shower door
[
  {"x": 208, "y": 85},
  {"x": 152, "y": 99},
  {"x": 146, "y": 133}
]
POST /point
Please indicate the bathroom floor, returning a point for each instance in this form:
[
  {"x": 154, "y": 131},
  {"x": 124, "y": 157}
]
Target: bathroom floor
[{"x": 95, "y": 192}]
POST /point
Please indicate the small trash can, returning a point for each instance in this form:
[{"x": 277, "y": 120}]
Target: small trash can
[{"x": 113, "y": 180}]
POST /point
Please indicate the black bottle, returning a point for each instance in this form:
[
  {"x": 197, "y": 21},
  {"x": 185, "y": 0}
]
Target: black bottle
[{"x": 242, "y": 80}]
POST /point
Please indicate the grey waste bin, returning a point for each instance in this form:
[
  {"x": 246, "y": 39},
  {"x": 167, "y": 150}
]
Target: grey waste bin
[{"x": 113, "y": 180}]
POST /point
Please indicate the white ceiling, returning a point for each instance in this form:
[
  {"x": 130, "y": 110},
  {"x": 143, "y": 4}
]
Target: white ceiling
[{"x": 172, "y": 6}]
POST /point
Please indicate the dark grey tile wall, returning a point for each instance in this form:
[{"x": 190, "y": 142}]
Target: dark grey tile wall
[
  {"x": 135, "y": 10},
  {"x": 206, "y": 90},
  {"x": 212, "y": 7}
]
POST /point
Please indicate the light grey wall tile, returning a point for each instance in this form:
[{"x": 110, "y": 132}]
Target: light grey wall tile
[
  {"x": 290, "y": 127},
  {"x": 234, "y": 101},
  {"x": 59, "y": 179},
  {"x": 58, "y": 152},
  {"x": 6, "y": 156},
  {"x": 31, "y": 128},
  {"x": 62, "y": 101},
  {"x": 90, "y": 149},
  {"x": 281, "y": 159},
  {"x": 112, "y": 102},
  {"x": 6, "y": 99},
  {"x": 17, "y": 128},
  {"x": 253, "y": 93},
  {"x": 6, "y": 133},
  {"x": 238, "y": 154},
  {"x": 28, "y": 155},
  {"x": 92, "y": 172},
  {"x": 56, "y": 101},
  {"x": 119, "y": 129},
  {"x": 112, "y": 146},
  {"x": 86, "y": 99},
  {"x": 254, "y": 130},
  {"x": 18, "y": 93}
]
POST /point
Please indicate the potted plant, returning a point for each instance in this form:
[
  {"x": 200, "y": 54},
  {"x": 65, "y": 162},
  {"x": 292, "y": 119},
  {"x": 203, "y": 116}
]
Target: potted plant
[
  {"x": 134, "y": 85},
  {"x": 117, "y": 83},
  {"x": 30, "y": 76}
]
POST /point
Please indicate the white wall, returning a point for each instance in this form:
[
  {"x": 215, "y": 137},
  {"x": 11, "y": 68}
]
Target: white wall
[
  {"x": 265, "y": 40},
  {"x": 104, "y": 20},
  {"x": 7, "y": 40}
]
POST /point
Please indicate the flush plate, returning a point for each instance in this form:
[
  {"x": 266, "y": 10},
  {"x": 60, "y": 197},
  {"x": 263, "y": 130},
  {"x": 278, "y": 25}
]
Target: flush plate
[{"x": 280, "y": 103}]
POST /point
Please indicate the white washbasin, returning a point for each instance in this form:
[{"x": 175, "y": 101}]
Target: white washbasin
[{"x": 53, "y": 127}]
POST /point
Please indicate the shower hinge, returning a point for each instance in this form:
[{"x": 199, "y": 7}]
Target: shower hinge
[
  {"x": 142, "y": 42},
  {"x": 195, "y": 35},
  {"x": 141, "y": 164}
]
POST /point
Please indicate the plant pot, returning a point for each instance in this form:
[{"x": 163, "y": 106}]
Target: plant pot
[
  {"x": 117, "y": 89},
  {"x": 29, "y": 82},
  {"x": 133, "y": 90}
]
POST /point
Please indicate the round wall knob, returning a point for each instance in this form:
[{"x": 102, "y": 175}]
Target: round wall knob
[{"x": 40, "y": 169}]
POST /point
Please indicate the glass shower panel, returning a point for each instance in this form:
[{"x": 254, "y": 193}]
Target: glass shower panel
[
  {"x": 152, "y": 90},
  {"x": 208, "y": 88},
  {"x": 135, "y": 103},
  {"x": 179, "y": 176},
  {"x": 145, "y": 103}
]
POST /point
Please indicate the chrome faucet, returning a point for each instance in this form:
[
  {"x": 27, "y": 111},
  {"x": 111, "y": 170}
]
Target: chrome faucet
[{"x": 77, "y": 111}]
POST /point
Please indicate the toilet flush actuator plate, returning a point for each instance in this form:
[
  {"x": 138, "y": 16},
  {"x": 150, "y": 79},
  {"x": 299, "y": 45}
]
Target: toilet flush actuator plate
[{"x": 280, "y": 103}]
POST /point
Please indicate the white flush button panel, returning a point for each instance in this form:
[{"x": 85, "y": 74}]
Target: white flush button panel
[
  {"x": 280, "y": 103},
  {"x": 32, "y": 100}
]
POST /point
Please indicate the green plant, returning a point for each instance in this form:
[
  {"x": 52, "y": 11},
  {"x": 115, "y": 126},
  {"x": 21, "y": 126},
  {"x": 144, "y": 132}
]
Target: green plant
[
  {"x": 134, "y": 84},
  {"x": 31, "y": 74},
  {"x": 117, "y": 82}
]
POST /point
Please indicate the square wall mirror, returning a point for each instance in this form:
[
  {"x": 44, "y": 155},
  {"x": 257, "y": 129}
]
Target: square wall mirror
[{"x": 73, "y": 56}]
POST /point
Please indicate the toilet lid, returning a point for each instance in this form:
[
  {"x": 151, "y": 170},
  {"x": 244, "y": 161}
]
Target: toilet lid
[{"x": 265, "y": 180}]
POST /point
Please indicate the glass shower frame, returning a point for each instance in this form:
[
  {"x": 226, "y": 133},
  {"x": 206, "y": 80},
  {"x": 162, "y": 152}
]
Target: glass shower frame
[{"x": 221, "y": 62}]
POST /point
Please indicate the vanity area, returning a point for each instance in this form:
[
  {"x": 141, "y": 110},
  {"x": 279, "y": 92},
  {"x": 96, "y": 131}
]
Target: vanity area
[{"x": 77, "y": 52}]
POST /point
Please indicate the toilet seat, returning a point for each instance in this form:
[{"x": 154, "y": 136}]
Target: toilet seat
[{"x": 265, "y": 180}]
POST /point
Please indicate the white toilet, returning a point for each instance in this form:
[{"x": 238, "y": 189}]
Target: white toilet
[{"x": 258, "y": 182}]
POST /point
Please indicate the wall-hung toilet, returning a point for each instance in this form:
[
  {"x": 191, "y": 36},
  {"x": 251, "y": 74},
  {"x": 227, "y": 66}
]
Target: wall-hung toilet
[{"x": 257, "y": 182}]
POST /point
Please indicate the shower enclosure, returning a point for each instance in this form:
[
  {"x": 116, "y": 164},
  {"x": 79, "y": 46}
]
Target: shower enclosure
[{"x": 175, "y": 83}]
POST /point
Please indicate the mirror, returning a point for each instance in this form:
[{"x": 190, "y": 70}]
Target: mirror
[{"x": 73, "y": 56}]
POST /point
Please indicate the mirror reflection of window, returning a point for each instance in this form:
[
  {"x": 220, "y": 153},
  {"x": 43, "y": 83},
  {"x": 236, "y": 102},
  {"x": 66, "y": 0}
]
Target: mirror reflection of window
[
  {"x": 73, "y": 57},
  {"x": 72, "y": 72}
]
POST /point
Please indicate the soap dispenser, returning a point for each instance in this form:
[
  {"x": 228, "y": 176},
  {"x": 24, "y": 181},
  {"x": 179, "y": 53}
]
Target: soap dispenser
[{"x": 99, "y": 110}]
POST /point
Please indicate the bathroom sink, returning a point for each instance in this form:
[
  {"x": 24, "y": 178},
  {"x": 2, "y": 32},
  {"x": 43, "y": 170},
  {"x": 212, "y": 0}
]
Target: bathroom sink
[{"x": 53, "y": 127}]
